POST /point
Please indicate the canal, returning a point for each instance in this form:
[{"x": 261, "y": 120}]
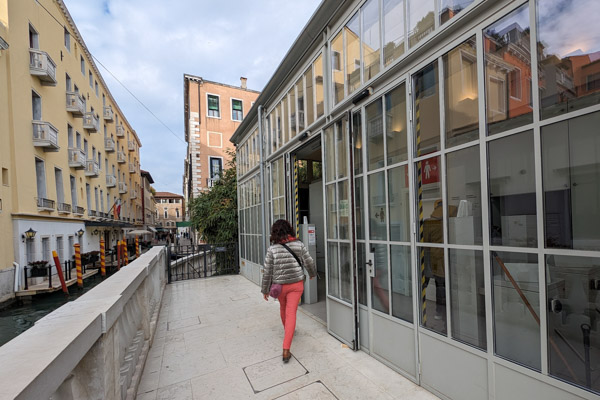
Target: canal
[{"x": 20, "y": 316}]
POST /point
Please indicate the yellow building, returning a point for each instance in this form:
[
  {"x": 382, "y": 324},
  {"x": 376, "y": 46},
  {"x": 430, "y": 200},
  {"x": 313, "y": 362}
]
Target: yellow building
[{"x": 68, "y": 153}]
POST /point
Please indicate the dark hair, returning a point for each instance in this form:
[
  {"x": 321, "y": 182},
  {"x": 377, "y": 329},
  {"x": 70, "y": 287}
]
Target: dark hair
[{"x": 280, "y": 230}]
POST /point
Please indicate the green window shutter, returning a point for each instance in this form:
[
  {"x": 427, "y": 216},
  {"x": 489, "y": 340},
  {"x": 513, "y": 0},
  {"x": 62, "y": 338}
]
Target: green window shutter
[
  {"x": 237, "y": 105},
  {"x": 213, "y": 103}
]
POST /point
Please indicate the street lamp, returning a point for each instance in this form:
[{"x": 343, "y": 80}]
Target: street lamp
[
  {"x": 29, "y": 234},
  {"x": 80, "y": 232}
]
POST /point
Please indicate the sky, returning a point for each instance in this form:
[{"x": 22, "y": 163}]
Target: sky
[{"x": 149, "y": 44}]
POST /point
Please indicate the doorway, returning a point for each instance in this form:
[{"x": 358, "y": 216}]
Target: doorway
[{"x": 308, "y": 181}]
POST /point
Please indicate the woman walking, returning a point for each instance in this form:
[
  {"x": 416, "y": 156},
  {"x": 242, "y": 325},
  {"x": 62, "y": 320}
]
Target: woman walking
[{"x": 284, "y": 266}]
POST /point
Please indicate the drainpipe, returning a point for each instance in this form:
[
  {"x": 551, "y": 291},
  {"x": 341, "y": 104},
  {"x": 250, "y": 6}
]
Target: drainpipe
[{"x": 262, "y": 175}]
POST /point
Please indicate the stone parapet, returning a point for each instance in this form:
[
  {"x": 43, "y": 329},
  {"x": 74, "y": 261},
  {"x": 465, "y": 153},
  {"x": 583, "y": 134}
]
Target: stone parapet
[{"x": 91, "y": 348}]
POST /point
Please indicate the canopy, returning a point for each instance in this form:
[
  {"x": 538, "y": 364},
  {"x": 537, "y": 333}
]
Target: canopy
[{"x": 138, "y": 232}]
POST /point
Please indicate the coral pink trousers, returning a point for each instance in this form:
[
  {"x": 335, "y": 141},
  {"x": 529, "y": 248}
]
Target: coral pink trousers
[{"x": 288, "y": 305}]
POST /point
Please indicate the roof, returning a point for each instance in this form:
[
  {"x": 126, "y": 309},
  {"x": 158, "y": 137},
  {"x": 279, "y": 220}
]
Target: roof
[
  {"x": 166, "y": 194},
  {"x": 146, "y": 174},
  {"x": 302, "y": 47}
]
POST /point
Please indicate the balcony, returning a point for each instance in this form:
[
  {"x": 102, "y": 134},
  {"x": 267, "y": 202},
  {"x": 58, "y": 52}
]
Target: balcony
[
  {"x": 42, "y": 66},
  {"x": 92, "y": 214},
  {"x": 109, "y": 144},
  {"x": 132, "y": 168},
  {"x": 78, "y": 211},
  {"x": 108, "y": 113},
  {"x": 133, "y": 194},
  {"x": 120, "y": 131},
  {"x": 121, "y": 159},
  {"x": 45, "y": 204},
  {"x": 122, "y": 188},
  {"x": 75, "y": 104},
  {"x": 91, "y": 122},
  {"x": 64, "y": 208},
  {"x": 91, "y": 168},
  {"x": 76, "y": 158},
  {"x": 131, "y": 145},
  {"x": 45, "y": 135},
  {"x": 111, "y": 181}
]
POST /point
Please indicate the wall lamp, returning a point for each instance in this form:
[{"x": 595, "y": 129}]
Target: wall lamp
[
  {"x": 362, "y": 95},
  {"x": 29, "y": 234},
  {"x": 80, "y": 232},
  {"x": 95, "y": 232},
  {"x": 304, "y": 135}
]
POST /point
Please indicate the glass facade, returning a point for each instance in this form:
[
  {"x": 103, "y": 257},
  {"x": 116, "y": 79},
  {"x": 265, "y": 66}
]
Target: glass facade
[{"x": 463, "y": 193}]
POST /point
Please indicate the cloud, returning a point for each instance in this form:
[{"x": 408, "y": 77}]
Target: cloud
[{"x": 149, "y": 44}]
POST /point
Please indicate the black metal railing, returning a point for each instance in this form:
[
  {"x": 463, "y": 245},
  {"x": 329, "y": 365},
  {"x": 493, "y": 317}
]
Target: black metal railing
[
  {"x": 202, "y": 261},
  {"x": 47, "y": 272}
]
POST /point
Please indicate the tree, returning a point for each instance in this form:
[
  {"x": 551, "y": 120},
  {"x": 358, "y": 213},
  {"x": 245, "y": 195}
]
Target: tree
[{"x": 214, "y": 212}]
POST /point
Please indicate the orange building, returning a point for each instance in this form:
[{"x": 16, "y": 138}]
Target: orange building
[{"x": 212, "y": 112}]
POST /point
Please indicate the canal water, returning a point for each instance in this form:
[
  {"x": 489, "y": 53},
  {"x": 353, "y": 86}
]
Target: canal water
[{"x": 17, "y": 318}]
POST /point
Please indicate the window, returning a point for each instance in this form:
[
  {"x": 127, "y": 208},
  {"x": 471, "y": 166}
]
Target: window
[
  {"x": 237, "y": 113},
  {"x": 370, "y": 39},
  {"x": 60, "y": 194},
  {"x": 421, "y": 20},
  {"x": 60, "y": 248},
  {"x": 449, "y": 8},
  {"x": 337, "y": 68},
  {"x": 73, "y": 191},
  {"x": 40, "y": 175},
  {"x": 166, "y": 213},
  {"x": 67, "y": 39},
  {"x": 82, "y": 62},
  {"x": 36, "y": 106},
  {"x": 352, "y": 52},
  {"x": 393, "y": 34},
  {"x": 46, "y": 256},
  {"x": 96, "y": 88},
  {"x": 427, "y": 110},
  {"x": 67, "y": 82},
  {"x": 177, "y": 212},
  {"x": 91, "y": 79},
  {"x": 34, "y": 38},
  {"x": 213, "y": 106},
  {"x": 319, "y": 86}
]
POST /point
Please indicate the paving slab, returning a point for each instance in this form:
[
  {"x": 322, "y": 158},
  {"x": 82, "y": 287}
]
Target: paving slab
[{"x": 216, "y": 338}]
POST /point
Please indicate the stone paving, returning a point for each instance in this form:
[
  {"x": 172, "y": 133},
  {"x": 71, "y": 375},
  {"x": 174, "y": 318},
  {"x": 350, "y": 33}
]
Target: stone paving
[{"x": 218, "y": 339}]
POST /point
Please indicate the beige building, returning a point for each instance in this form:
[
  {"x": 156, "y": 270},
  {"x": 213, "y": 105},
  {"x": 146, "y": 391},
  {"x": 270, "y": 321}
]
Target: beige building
[
  {"x": 170, "y": 209},
  {"x": 213, "y": 111},
  {"x": 68, "y": 153},
  {"x": 148, "y": 201}
]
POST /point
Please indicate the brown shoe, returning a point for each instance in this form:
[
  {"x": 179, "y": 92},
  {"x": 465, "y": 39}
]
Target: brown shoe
[{"x": 286, "y": 355}]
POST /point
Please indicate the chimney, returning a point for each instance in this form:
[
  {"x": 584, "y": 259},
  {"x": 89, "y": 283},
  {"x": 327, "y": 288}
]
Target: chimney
[{"x": 243, "y": 82}]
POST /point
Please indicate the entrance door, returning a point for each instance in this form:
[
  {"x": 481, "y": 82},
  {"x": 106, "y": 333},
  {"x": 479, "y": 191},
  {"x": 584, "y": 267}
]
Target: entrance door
[
  {"x": 339, "y": 233},
  {"x": 383, "y": 233}
]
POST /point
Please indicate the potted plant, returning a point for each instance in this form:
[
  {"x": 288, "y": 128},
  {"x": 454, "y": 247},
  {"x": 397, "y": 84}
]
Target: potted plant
[{"x": 38, "y": 268}]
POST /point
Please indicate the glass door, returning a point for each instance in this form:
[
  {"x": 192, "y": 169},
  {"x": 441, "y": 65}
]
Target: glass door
[{"x": 339, "y": 233}]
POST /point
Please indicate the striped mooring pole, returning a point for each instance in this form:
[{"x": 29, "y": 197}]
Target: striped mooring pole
[
  {"x": 119, "y": 257},
  {"x": 125, "y": 255},
  {"x": 420, "y": 205},
  {"x": 78, "y": 265},
  {"x": 137, "y": 247},
  {"x": 102, "y": 258},
  {"x": 296, "y": 196}
]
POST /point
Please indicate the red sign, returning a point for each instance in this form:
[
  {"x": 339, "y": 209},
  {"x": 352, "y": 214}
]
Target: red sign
[{"x": 430, "y": 172}]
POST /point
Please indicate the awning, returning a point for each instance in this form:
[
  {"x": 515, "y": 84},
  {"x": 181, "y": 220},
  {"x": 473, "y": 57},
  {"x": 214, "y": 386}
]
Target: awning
[
  {"x": 184, "y": 224},
  {"x": 151, "y": 229}
]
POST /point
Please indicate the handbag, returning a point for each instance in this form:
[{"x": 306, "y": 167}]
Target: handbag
[{"x": 275, "y": 290}]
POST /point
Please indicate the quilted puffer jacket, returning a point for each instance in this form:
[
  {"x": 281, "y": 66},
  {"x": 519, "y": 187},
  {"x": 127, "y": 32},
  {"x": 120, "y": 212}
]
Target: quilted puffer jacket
[{"x": 281, "y": 267}]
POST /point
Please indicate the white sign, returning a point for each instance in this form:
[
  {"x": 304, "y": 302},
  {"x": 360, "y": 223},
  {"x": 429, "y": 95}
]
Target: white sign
[{"x": 312, "y": 237}]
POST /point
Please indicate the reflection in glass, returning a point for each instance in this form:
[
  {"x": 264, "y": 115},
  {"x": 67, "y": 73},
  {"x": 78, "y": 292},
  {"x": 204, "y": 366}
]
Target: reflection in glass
[
  {"x": 370, "y": 39},
  {"x": 332, "y": 222},
  {"x": 395, "y": 119},
  {"x": 508, "y": 76},
  {"x": 571, "y": 179},
  {"x": 402, "y": 305},
  {"x": 374, "y": 117},
  {"x": 393, "y": 30},
  {"x": 573, "y": 299},
  {"x": 429, "y": 201},
  {"x": 285, "y": 121},
  {"x": 337, "y": 67},
  {"x": 512, "y": 191},
  {"x": 344, "y": 210},
  {"x": 568, "y": 49},
  {"x": 464, "y": 197},
  {"x": 357, "y": 140},
  {"x": 377, "y": 207},
  {"x": 293, "y": 118},
  {"x": 516, "y": 304},
  {"x": 353, "y": 54},
  {"x": 449, "y": 8},
  {"x": 467, "y": 296},
  {"x": 345, "y": 272},
  {"x": 460, "y": 94},
  {"x": 361, "y": 273},
  {"x": 421, "y": 20},
  {"x": 427, "y": 110},
  {"x": 277, "y": 141},
  {"x": 398, "y": 194},
  {"x": 319, "y": 86},
  {"x": 341, "y": 130},
  {"x": 359, "y": 208},
  {"x": 329, "y": 154},
  {"x": 310, "y": 101},
  {"x": 380, "y": 293},
  {"x": 433, "y": 286},
  {"x": 333, "y": 272},
  {"x": 300, "y": 105}
]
